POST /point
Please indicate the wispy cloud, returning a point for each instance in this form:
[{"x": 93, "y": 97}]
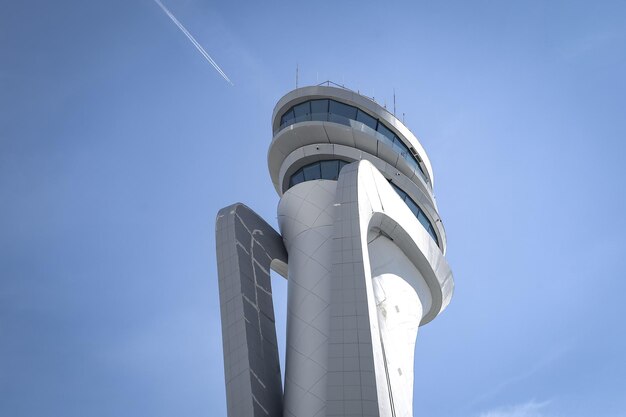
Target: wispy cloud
[
  {"x": 540, "y": 364},
  {"x": 193, "y": 40},
  {"x": 527, "y": 409}
]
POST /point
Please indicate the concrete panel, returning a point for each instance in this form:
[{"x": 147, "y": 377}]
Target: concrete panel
[
  {"x": 386, "y": 153},
  {"x": 365, "y": 141},
  {"x": 246, "y": 248},
  {"x": 311, "y": 132},
  {"x": 339, "y": 134}
]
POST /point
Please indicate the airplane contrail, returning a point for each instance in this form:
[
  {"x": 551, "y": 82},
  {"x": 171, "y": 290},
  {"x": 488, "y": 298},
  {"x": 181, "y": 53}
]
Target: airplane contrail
[{"x": 193, "y": 40}]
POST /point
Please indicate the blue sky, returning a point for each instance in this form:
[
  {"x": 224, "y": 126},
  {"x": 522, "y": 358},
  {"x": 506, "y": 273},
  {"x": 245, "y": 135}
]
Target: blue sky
[{"x": 119, "y": 143}]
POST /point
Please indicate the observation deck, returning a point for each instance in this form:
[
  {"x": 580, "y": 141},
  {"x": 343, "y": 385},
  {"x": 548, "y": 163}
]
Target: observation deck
[{"x": 318, "y": 129}]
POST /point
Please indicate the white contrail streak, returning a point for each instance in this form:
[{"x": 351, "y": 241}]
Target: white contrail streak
[{"x": 193, "y": 40}]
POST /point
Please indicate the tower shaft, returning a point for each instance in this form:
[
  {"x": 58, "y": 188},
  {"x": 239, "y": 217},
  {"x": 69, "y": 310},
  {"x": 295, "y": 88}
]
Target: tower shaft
[{"x": 365, "y": 264}]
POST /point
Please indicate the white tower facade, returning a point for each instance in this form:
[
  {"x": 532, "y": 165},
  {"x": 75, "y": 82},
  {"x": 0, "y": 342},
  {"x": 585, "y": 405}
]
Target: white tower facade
[{"x": 363, "y": 254}]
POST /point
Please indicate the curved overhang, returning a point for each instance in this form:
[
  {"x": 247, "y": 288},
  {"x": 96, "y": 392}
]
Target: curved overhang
[
  {"x": 302, "y": 134},
  {"x": 362, "y": 193},
  {"x": 343, "y": 95},
  {"x": 319, "y": 152}
]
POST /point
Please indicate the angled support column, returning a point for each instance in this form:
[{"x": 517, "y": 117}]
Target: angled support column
[
  {"x": 247, "y": 247},
  {"x": 359, "y": 382}
]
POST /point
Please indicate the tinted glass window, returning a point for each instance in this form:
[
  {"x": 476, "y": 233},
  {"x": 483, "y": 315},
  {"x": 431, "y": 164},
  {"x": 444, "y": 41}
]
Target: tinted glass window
[
  {"x": 334, "y": 111},
  {"x": 412, "y": 206},
  {"x": 401, "y": 193},
  {"x": 422, "y": 170},
  {"x": 330, "y": 170},
  {"x": 396, "y": 147},
  {"x": 312, "y": 172},
  {"x": 417, "y": 212},
  {"x": 423, "y": 219},
  {"x": 319, "y": 110},
  {"x": 413, "y": 164},
  {"x": 386, "y": 132},
  {"x": 287, "y": 118},
  {"x": 400, "y": 147},
  {"x": 296, "y": 178},
  {"x": 302, "y": 112},
  {"x": 366, "y": 119},
  {"x": 341, "y": 113},
  {"x": 432, "y": 233}
]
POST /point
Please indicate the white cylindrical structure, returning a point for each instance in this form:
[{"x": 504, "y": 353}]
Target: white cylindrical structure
[
  {"x": 366, "y": 247},
  {"x": 401, "y": 295},
  {"x": 305, "y": 217}
]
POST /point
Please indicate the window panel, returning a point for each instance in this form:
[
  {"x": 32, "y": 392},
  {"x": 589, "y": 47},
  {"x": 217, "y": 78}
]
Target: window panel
[
  {"x": 398, "y": 148},
  {"x": 395, "y": 188},
  {"x": 413, "y": 164},
  {"x": 386, "y": 132},
  {"x": 423, "y": 219},
  {"x": 296, "y": 178},
  {"x": 341, "y": 113},
  {"x": 401, "y": 193},
  {"x": 422, "y": 170},
  {"x": 330, "y": 170},
  {"x": 401, "y": 148},
  {"x": 302, "y": 112},
  {"x": 412, "y": 206},
  {"x": 431, "y": 231},
  {"x": 326, "y": 109},
  {"x": 312, "y": 172},
  {"x": 319, "y": 110},
  {"x": 366, "y": 119},
  {"x": 287, "y": 118}
]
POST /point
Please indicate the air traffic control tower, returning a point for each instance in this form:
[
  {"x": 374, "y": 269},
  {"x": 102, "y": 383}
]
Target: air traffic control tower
[{"x": 362, "y": 246}]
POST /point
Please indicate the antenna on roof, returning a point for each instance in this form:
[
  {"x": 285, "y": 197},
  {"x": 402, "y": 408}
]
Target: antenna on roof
[
  {"x": 402, "y": 117},
  {"x": 394, "y": 101},
  {"x": 296, "y": 75}
]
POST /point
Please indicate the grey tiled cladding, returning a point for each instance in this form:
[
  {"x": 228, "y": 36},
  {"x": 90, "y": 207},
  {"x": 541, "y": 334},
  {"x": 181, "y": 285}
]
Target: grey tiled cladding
[
  {"x": 352, "y": 379},
  {"x": 246, "y": 245}
]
